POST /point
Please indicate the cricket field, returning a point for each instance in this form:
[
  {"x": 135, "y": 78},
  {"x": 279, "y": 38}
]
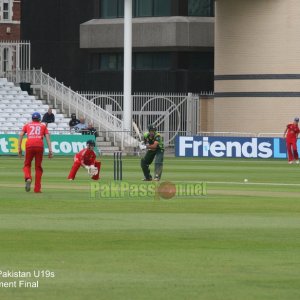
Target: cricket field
[{"x": 240, "y": 240}]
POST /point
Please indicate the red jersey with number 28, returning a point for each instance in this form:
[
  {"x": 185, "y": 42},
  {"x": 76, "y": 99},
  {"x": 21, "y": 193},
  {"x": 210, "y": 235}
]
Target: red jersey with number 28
[
  {"x": 35, "y": 133},
  {"x": 292, "y": 132},
  {"x": 86, "y": 156}
]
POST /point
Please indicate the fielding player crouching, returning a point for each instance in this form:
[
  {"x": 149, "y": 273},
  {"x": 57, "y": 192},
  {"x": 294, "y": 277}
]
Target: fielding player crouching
[{"x": 86, "y": 158}]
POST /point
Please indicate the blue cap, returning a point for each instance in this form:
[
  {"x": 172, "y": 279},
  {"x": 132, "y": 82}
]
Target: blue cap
[
  {"x": 296, "y": 119},
  {"x": 36, "y": 116}
]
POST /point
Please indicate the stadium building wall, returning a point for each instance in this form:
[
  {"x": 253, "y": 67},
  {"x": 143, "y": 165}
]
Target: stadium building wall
[
  {"x": 10, "y": 21},
  {"x": 75, "y": 57},
  {"x": 257, "y": 65}
]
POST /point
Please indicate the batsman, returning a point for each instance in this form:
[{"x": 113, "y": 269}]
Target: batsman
[{"x": 153, "y": 142}]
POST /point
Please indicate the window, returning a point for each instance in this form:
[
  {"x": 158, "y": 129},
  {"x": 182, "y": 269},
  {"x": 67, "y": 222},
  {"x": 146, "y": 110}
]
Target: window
[
  {"x": 141, "y": 8},
  {"x": 5, "y": 10},
  {"x": 152, "y": 61},
  {"x": 202, "y": 8},
  {"x": 5, "y": 59},
  {"x": 152, "y": 8},
  {"x": 112, "y": 9},
  {"x": 162, "y": 8},
  {"x": 201, "y": 61},
  {"x": 141, "y": 61},
  {"x": 111, "y": 62}
]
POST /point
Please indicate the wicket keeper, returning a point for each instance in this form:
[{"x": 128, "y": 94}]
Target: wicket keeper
[
  {"x": 155, "y": 149},
  {"x": 86, "y": 158}
]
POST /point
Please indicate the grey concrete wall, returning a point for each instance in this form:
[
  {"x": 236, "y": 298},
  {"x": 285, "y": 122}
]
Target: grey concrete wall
[{"x": 149, "y": 32}]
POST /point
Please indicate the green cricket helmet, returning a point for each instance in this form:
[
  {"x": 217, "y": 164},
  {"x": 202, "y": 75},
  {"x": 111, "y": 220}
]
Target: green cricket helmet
[{"x": 151, "y": 127}]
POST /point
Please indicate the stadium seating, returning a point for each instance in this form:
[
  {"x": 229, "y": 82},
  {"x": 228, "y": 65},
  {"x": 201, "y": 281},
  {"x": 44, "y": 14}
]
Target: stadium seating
[{"x": 16, "y": 107}]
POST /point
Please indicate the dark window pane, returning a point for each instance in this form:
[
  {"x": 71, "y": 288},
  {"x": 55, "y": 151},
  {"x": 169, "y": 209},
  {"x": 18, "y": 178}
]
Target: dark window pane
[
  {"x": 201, "y": 61},
  {"x": 143, "y": 61},
  {"x": 121, "y": 8},
  {"x": 108, "y": 62},
  {"x": 94, "y": 62},
  {"x": 161, "y": 61},
  {"x": 120, "y": 65},
  {"x": 112, "y": 9},
  {"x": 143, "y": 8},
  {"x": 162, "y": 8},
  {"x": 111, "y": 61},
  {"x": 152, "y": 61},
  {"x": 200, "y": 8}
]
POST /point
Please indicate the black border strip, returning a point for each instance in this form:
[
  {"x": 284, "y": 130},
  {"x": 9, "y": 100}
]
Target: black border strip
[
  {"x": 257, "y": 76},
  {"x": 257, "y": 94}
]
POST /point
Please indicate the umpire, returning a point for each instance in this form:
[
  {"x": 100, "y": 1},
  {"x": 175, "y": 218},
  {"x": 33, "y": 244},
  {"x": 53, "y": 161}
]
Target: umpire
[{"x": 155, "y": 149}]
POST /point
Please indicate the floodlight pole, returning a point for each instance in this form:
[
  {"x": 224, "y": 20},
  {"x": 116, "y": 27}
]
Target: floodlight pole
[{"x": 127, "y": 110}]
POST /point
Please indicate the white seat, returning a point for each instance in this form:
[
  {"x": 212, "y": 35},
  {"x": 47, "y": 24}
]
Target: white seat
[
  {"x": 24, "y": 120},
  {"x": 26, "y": 115},
  {"x": 26, "y": 101},
  {"x": 19, "y": 110},
  {"x": 3, "y": 128},
  {"x": 12, "y": 92},
  {"x": 13, "y": 105},
  {"x": 11, "y": 119},
  {"x": 5, "y": 101},
  {"x": 52, "y": 125},
  {"x": 64, "y": 125},
  {"x": 23, "y": 106}
]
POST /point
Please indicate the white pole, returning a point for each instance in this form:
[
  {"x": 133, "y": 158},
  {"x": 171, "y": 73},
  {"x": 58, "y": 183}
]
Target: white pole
[{"x": 127, "y": 110}]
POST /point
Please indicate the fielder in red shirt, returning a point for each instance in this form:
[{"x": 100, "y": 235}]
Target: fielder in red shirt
[
  {"x": 86, "y": 158},
  {"x": 34, "y": 149},
  {"x": 291, "y": 134}
]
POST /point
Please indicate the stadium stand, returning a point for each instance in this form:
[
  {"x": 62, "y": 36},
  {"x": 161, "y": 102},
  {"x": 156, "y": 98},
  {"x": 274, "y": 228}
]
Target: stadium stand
[{"x": 16, "y": 108}]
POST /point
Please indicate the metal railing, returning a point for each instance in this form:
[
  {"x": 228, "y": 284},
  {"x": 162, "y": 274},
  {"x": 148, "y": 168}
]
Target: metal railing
[
  {"x": 14, "y": 55},
  {"x": 169, "y": 112},
  {"x": 70, "y": 101}
]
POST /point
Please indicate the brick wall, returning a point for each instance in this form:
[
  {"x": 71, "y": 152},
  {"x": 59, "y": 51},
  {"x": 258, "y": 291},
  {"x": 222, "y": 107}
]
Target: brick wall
[{"x": 11, "y": 31}]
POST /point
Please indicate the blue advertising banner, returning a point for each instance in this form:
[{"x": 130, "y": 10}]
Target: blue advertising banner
[{"x": 230, "y": 147}]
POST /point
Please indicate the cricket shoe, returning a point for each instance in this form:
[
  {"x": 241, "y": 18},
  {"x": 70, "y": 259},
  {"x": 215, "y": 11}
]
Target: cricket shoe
[
  {"x": 27, "y": 185},
  {"x": 297, "y": 162},
  {"x": 156, "y": 179},
  {"x": 147, "y": 179}
]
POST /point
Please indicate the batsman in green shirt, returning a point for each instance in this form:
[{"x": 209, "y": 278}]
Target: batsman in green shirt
[{"x": 155, "y": 149}]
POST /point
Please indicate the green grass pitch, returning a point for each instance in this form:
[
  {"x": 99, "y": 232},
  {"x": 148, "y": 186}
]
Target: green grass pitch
[{"x": 241, "y": 241}]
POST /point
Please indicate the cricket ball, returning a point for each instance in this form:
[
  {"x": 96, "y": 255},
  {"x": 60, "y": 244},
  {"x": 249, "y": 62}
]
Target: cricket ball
[{"x": 166, "y": 190}]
